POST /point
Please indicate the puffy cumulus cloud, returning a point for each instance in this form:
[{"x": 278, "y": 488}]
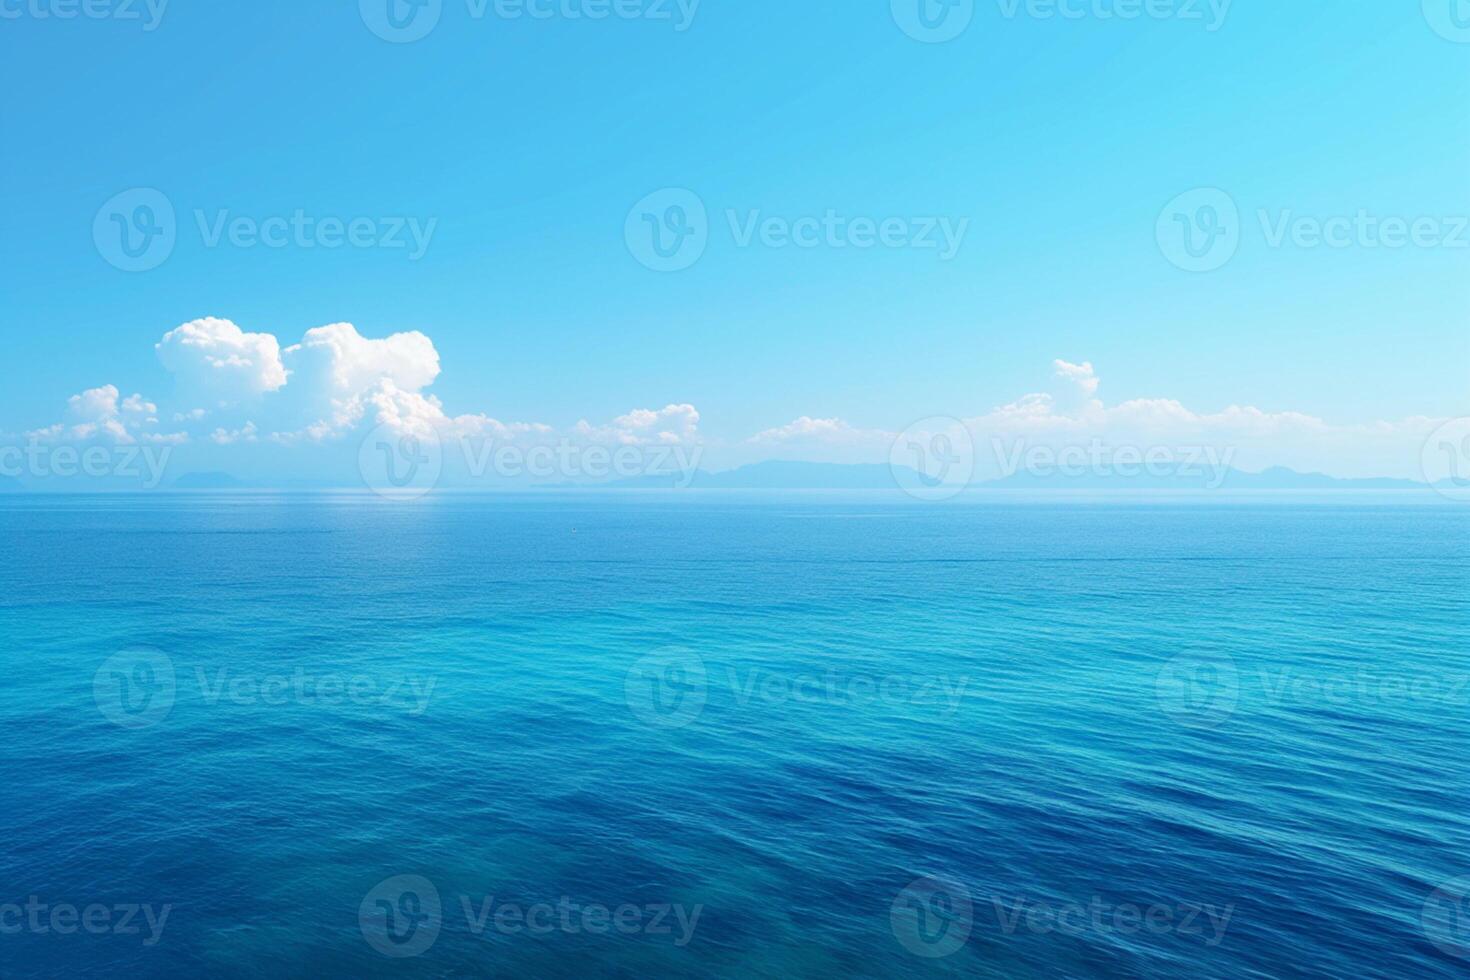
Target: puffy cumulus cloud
[
  {"x": 101, "y": 414},
  {"x": 672, "y": 425},
  {"x": 214, "y": 360},
  {"x": 1082, "y": 375},
  {"x": 408, "y": 412},
  {"x": 335, "y": 382},
  {"x": 385, "y": 403},
  {"x": 306, "y": 408},
  {"x": 94, "y": 404},
  {"x": 1076, "y": 394},
  {"x": 338, "y": 378},
  {"x": 339, "y": 359}
]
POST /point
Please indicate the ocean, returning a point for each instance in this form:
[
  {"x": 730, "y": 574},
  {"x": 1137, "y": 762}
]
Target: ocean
[{"x": 735, "y": 735}]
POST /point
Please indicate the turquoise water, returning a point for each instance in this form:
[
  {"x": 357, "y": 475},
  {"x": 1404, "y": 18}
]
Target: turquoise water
[{"x": 734, "y": 735}]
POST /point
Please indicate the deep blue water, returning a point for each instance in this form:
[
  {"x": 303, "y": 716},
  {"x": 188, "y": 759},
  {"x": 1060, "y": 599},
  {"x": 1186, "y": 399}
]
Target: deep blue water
[{"x": 734, "y": 735}]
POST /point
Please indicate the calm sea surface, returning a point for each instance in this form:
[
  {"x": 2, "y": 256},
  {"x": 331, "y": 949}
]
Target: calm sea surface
[{"x": 725, "y": 735}]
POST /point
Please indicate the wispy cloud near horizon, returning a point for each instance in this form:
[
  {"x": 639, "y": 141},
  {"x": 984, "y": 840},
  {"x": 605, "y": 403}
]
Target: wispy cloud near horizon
[{"x": 236, "y": 391}]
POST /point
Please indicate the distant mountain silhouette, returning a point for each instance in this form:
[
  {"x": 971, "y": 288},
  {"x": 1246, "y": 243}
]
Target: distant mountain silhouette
[
  {"x": 1275, "y": 478},
  {"x": 795, "y": 475},
  {"x": 791, "y": 475},
  {"x": 207, "y": 481},
  {"x": 779, "y": 475}
]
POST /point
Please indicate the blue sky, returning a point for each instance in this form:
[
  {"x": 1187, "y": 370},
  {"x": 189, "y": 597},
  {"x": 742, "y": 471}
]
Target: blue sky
[{"x": 523, "y": 142}]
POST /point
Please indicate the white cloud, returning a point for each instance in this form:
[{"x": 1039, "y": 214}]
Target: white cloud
[
  {"x": 326, "y": 391},
  {"x": 1082, "y": 375},
  {"x": 829, "y": 431},
  {"x": 335, "y": 381},
  {"x": 226, "y": 437},
  {"x": 135, "y": 405},
  {"x": 484, "y": 427},
  {"x": 669, "y": 426},
  {"x": 335, "y": 384},
  {"x": 339, "y": 377},
  {"x": 217, "y": 361},
  {"x": 1254, "y": 438},
  {"x": 97, "y": 415},
  {"x": 94, "y": 404},
  {"x": 343, "y": 361}
]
